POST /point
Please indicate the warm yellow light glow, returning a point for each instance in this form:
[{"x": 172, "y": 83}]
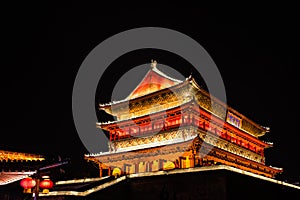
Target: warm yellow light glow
[
  {"x": 169, "y": 165},
  {"x": 116, "y": 172},
  {"x": 86, "y": 180},
  {"x": 45, "y": 191},
  {"x": 9, "y": 155}
]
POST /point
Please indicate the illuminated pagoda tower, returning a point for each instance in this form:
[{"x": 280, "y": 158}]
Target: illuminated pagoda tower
[{"x": 167, "y": 123}]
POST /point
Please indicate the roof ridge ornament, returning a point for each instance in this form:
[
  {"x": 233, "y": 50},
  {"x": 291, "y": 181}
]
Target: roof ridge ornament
[{"x": 153, "y": 64}]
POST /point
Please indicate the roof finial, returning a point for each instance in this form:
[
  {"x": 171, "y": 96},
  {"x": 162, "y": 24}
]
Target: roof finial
[{"x": 153, "y": 63}]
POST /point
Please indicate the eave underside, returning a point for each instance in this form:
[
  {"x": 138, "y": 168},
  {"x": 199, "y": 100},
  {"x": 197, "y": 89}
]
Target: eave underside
[
  {"x": 204, "y": 153},
  {"x": 17, "y": 156},
  {"x": 9, "y": 177}
]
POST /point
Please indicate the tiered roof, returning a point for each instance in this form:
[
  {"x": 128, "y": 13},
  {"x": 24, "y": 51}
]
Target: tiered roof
[{"x": 156, "y": 82}]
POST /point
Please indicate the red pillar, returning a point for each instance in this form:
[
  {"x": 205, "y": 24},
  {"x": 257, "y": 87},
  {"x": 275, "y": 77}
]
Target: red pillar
[
  {"x": 192, "y": 161},
  {"x": 150, "y": 166},
  {"x": 160, "y": 164},
  {"x": 136, "y": 168},
  {"x": 147, "y": 166},
  {"x": 124, "y": 169},
  {"x": 100, "y": 172},
  {"x": 180, "y": 163}
]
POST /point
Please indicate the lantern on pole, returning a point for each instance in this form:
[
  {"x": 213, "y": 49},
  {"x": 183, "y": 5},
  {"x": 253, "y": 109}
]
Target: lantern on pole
[
  {"x": 46, "y": 184},
  {"x": 27, "y": 184}
]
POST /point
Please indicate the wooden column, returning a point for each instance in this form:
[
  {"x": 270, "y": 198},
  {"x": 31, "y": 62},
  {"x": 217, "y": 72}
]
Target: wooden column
[
  {"x": 136, "y": 168},
  {"x": 196, "y": 161},
  {"x": 147, "y": 166},
  {"x": 160, "y": 164},
  {"x": 150, "y": 166},
  {"x": 200, "y": 161},
  {"x": 124, "y": 169},
  {"x": 100, "y": 171},
  {"x": 179, "y": 163},
  {"x": 192, "y": 161}
]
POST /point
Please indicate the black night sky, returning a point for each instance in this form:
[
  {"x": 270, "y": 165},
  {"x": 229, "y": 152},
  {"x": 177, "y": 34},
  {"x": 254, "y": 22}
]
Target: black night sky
[{"x": 43, "y": 47}]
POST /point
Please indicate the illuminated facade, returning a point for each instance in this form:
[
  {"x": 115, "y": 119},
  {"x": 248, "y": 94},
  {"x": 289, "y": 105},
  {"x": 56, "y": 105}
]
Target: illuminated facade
[
  {"x": 167, "y": 123},
  {"x": 10, "y": 168},
  {"x": 17, "y": 156}
]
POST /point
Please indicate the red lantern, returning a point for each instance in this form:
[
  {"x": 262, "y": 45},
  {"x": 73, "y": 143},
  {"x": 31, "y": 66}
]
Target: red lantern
[
  {"x": 27, "y": 184},
  {"x": 46, "y": 184}
]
